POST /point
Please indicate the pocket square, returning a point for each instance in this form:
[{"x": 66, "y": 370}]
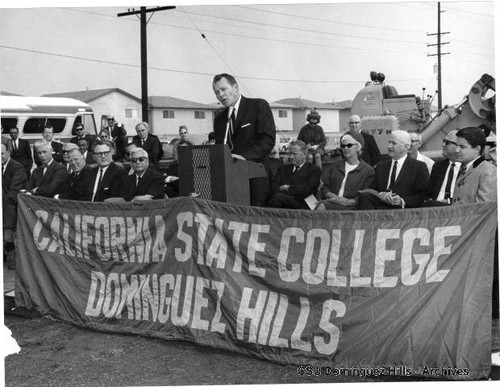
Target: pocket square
[{"x": 244, "y": 126}]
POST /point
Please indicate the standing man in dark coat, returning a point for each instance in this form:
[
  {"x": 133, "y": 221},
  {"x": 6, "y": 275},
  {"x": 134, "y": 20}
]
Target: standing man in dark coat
[
  {"x": 247, "y": 126},
  {"x": 20, "y": 150},
  {"x": 295, "y": 181},
  {"x": 400, "y": 182},
  {"x": 144, "y": 184},
  {"x": 13, "y": 180},
  {"x": 149, "y": 142},
  {"x": 107, "y": 181},
  {"x": 371, "y": 153},
  {"x": 47, "y": 179}
]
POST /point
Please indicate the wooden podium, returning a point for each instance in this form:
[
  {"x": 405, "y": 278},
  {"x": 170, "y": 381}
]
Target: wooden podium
[{"x": 211, "y": 172}]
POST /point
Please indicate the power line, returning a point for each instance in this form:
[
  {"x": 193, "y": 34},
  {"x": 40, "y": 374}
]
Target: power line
[
  {"x": 377, "y": 49},
  {"x": 306, "y": 30},
  {"x": 328, "y": 20},
  {"x": 195, "y": 72}
]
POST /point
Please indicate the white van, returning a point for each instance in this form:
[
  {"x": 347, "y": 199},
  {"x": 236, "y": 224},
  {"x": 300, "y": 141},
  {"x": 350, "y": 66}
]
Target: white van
[{"x": 31, "y": 114}]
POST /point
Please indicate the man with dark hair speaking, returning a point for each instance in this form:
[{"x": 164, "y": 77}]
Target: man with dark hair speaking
[{"x": 247, "y": 126}]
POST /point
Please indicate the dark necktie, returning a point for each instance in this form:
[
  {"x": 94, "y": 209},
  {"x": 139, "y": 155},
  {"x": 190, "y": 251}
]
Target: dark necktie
[
  {"x": 232, "y": 121},
  {"x": 447, "y": 189},
  {"x": 137, "y": 180},
  {"x": 101, "y": 172},
  {"x": 463, "y": 169},
  {"x": 14, "y": 146},
  {"x": 393, "y": 174}
]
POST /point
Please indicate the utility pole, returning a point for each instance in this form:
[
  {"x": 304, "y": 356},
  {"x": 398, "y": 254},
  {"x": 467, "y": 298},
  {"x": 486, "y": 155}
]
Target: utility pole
[
  {"x": 439, "y": 54},
  {"x": 144, "y": 53}
]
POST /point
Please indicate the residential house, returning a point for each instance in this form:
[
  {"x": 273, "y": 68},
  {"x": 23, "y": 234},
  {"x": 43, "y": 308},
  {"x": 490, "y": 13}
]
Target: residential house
[{"x": 125, "y": 107}]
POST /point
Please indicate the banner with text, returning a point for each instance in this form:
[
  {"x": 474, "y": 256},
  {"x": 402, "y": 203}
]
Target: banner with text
[{"x": 371, "y": 289}]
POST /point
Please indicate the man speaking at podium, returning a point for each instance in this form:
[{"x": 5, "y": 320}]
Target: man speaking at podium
[{"x": 247, "y": 127}]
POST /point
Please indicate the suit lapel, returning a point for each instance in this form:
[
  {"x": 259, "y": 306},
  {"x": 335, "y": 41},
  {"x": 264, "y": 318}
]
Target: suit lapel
[{"x": 403, "y": 171}]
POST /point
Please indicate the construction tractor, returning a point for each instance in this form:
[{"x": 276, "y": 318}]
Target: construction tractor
[{"x": 382, "y": 110}]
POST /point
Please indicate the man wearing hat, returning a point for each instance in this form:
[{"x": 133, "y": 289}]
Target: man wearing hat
[
  {"x": 444, "y": 174},
  {"x": 81, "y": 134},
  {"x": 312, "y": 134}
]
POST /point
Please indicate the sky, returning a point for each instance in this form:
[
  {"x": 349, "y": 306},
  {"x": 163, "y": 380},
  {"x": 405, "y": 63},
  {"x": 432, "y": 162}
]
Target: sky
[{"x": 320, "y": 51}]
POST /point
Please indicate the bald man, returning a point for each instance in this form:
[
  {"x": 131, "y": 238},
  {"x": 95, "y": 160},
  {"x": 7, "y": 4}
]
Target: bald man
[
  {"x": 401, "y": 182},
  {"x": 371, "y": 153}
]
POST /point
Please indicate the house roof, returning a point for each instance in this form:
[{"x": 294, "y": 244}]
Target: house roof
[
  {"x": 6, "y": 93},
  {"x": 90, "y": 95},
  {"x": 171, "y": 102},
  {"x": 302, "y": 103},
  {"x": 347, "y": 104}
]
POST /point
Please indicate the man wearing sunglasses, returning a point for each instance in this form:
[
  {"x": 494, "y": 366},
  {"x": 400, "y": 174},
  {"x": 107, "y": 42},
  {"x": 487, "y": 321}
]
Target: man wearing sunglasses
[
  {"x": 444, "y": 174},
  {"x": 107, "y": 182},
  {"x": 144, "y": 183},
  {"x": 82, "y": 135}
]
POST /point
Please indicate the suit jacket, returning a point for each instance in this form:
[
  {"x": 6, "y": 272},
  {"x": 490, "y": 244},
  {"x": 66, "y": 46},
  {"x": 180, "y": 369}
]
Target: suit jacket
[
  {"x": 90, "y": 139},
  {"x": 371, "y": 153},
  {"x": 89, "y": 158},
  {"x": 303, "y": 182},
  {"x": 113, "y": 183},
  {"x": 254, "y": 131},
  {"x": 478, "y": 184},
  {"x": 152, "y": 146},
  {"x": 56, "y": 153},
  {"x": 437, "y": 178},
  {"x": 75, "y": 185},
  {"x": 359, "y": 178},
  {"x": 151, "y": 183},
  {"x": 411, "y": 183},
  {"x": 22, "y": 154},
  {"x": 49, "y": 184},
  {"x": 13, "y": 180}
]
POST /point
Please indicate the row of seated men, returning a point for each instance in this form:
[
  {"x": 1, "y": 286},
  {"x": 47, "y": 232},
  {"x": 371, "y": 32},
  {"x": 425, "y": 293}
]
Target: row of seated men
[
  {"x": 403, "y": 181},
  {"x": 20, "y": 149},
  {"x": 75, "y": 180}
]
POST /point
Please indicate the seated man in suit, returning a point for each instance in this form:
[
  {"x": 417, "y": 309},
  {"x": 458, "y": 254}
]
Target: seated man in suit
[
  {"x": 295, "y": 181},
  {"x": 48, "y": 135},
  {"x": 13, "y": 180},
  {"x": 47, "y": 179},
  {"x": 76, "y": 184},
  {"x": 20, "y": 150},
  {"x": 84, "y": 148},
  {"x": 444, "y": 174},
  {"x": 400, "y": 182},
  {"x": 67, "y": 146},
  {"x": 149, "y": 142},
  {"x": 82, "y": 135},
  {"x": 108, "y": 181},
  {"x": 144, "y": 183},
  {"x": 477, "y": 180}
]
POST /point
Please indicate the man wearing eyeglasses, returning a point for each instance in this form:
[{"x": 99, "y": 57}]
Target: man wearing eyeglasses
[
  {"x": 149, "y": 142},
  {"x": 371, "y": 153},
  {"x": 144, "y": 184},
  {"x": 107, "y": 182},
  {"x": 444, "y": 174}
]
